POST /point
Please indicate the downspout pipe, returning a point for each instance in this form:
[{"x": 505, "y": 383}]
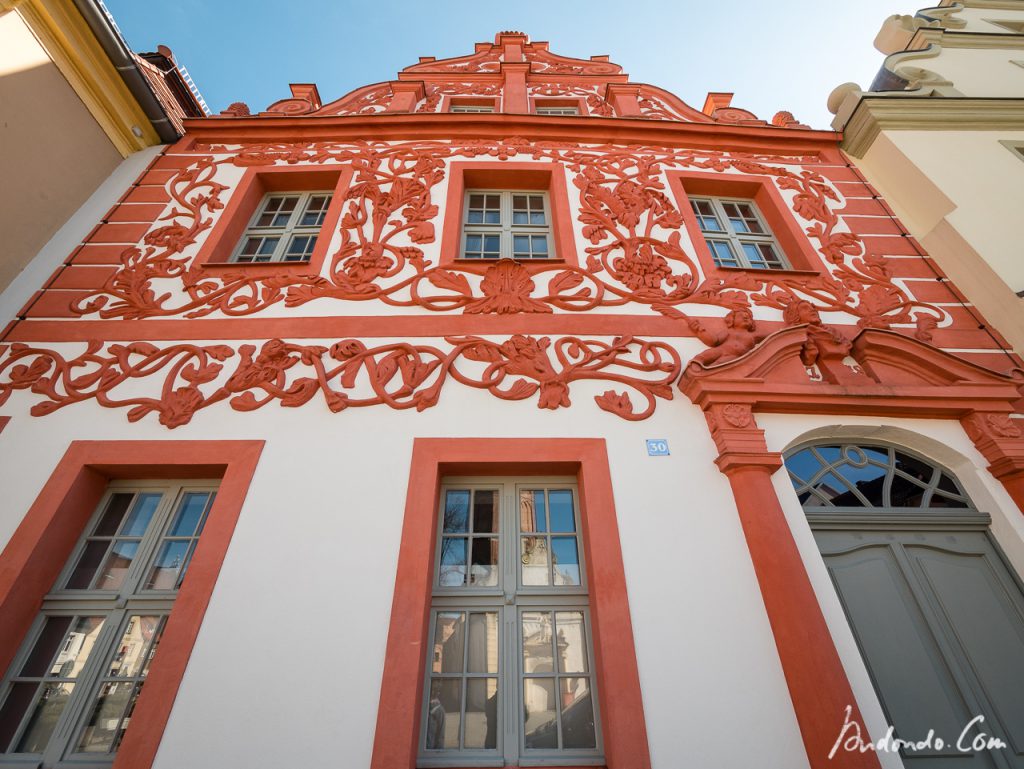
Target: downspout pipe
[{"x": 121, "y": 56}]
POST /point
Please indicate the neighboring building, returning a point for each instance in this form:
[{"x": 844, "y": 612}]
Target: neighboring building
[
  {"x": 465, "y": 400},
  {"x": 75, "y": 102},
  {"x": 940, "y": 135}
]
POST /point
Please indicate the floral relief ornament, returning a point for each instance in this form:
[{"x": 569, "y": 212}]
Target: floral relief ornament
[
  {"x": 346, "y": 374},
  {"x": 635, "y": 254}
]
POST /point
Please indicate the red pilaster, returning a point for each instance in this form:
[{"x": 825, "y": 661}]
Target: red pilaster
[
  {"x": 818, "y": 686},
  {"x": 625, "y": 99},
  {"x": 514, "y": 99},
  {"x": 406, "y": 94}
]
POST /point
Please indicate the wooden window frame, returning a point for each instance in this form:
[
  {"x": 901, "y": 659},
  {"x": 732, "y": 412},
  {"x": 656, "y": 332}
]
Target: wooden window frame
[
  {"x": 285, "y": 233},
  {"x": 735, "y": 239},
  {"x": 792, "y": 241},
  {"x": 506, "y": 229},
  {"x": 257, "y": 182},
  {"x": 43, "y": 543},
  {"x": 623, "y": 727},
  {"x": 507, "y": 175}
]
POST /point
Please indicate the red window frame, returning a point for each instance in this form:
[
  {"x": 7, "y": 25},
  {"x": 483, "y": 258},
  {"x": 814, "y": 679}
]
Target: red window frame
[
  {"x": 46, "y": 537},
  {"x": 220, "y": 244},
  {"x": 624, "y": 729}
]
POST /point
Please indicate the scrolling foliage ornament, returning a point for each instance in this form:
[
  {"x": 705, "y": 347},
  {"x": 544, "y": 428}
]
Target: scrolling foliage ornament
[
  {"x": 346, "y": 374},
  {"x": 635, "y": 254}
]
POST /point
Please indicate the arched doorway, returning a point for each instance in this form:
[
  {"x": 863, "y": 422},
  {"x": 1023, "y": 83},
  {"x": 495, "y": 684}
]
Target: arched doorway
[{"x": 937, "y": 612}]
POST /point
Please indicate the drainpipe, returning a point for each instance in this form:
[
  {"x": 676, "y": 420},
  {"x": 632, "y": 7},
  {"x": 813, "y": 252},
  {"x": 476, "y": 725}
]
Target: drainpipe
[{"x": 109, "y": 37}]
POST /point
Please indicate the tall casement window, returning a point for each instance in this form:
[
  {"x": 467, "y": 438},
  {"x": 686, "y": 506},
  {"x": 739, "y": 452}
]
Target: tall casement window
[
  {"x": 509, "y": 669},
  {"x": 284, "y": 228},
  {"x": 737, "y": 235},
  {"x": 71, "y": 690},
  {"x": 506, "y": 224}
]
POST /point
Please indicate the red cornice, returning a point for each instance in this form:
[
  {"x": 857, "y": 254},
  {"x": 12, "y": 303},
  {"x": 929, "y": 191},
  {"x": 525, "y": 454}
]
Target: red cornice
[{"x": 595, "y": 130}]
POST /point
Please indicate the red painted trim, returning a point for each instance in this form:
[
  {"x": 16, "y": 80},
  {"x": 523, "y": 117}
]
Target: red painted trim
[
  {"x": 256, "y": 182},
  {"x": 507, "y": 175},
  {"x": 817, "y": 681},
  {"x": 41, "y": 545},
  {"x": 398, "y": 716},
  {"x": 790, "y": 235}
]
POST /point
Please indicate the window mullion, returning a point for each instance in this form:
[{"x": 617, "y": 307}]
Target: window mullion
[{"x": 512, "y": 684}]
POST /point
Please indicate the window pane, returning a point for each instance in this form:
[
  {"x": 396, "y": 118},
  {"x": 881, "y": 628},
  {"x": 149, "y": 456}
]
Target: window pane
[
  {"x": 88, "y": 563},
  {"x": 453, "y": 562},
  {"x": 485, "y": 511},
  {"x": 115, "y": 568},
  {"x": 722, "y": 253},
  {"x": 456, "y": 511},
  {"x": 484, "y": 564},
  {"x": 537, "y": 636},
  {"x": 754, "y": 256},
  {"x": 133, "y": 649},
  {"x": 140, "y": 516},
  {"x": 539, "y": 244},
  {"x": 482, "y": 713},
  {"x": 534, "y": 556},
  {"x": 101, "y": 729},
  {"x": 577, "y": 713},
  {"x": 492, "y": 246},
  {"x": 53, "y": 633},
  {"x": 532, "y": 511},
  {"x": 77, "y": 646},
  {"x": 562, "y": 518},
  {"x": 117, "y": 506},
  {"x": 45, "y": 713},
  {"x": 449, "y": 642},
  {"x": 444, "y": 714},
  {"x": 572, "y": 642},
  {"x": 190, "y": 513},
  {"x": 521, "y": 245},
  {"x": 541, "y": 727},
  {"x": 19, "y": 698},
  {"x": 566, "y": 561},
  {"x": 170, "y": 559},
  {"x": 482, "y": 656},
  {"x": 267, "y": 246}
]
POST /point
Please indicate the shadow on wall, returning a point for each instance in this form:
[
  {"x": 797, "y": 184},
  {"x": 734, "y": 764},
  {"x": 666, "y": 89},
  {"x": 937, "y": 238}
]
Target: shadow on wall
[{"x": 53, "y": 154}]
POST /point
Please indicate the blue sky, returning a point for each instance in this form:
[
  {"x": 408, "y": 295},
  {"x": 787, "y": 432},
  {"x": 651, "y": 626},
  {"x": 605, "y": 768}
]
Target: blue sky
[{"x": 785, "y": 54}]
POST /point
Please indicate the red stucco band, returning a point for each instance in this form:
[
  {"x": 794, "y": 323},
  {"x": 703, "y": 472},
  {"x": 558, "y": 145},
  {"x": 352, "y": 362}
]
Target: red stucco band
[
  {"x": 43, "y": 542},
  {"x": 624, "y": 726}
]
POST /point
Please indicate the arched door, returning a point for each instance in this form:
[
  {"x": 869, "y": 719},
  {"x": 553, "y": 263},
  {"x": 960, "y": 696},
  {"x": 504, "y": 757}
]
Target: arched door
[{"x": 936, "y": 610}]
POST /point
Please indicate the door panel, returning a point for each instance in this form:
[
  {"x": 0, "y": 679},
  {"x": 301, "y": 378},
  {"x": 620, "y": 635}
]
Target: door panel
[
  {"x": 909, "y": 671},
  {"x": 987, "y": 623},
  {"x": 939, "y": 619}
]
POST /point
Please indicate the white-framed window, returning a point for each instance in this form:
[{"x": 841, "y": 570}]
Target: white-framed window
[
  {"x": 510, "y": 663},
  {"x": 284, "y": 228},
  {"x": 70, "y": 692},
  {"x": 737, "y": 235},
  {"x": 553, "y": 110},
  {"x": 506, "y": 224},
  {"x": 471, "y": 108}
]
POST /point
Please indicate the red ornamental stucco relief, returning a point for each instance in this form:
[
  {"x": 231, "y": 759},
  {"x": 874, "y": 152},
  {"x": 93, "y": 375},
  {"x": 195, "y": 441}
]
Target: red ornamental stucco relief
[
  {"x": 636, "y": 254},
  {"x": 347, "y": 374}
]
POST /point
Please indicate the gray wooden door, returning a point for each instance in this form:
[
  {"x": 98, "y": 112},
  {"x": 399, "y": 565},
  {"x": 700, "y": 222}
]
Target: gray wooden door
[{"x": 939, "y": 618}]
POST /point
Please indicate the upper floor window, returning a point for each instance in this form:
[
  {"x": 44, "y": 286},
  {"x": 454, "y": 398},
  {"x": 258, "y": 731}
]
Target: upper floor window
[
  {"x": 506, "y": 224},
  {"x": 558, "y": 111},
  {"x": 510, "y": 662},
  {"x": 472, "y": 108},
  {"x": 737, "y": 235},
  {"x": 284, "y": 228},
  {"x": 70, "y": 693}
]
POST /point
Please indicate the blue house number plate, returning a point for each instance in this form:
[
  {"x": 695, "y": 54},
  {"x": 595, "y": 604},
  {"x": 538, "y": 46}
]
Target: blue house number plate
[{"x": 657, "y": 447}]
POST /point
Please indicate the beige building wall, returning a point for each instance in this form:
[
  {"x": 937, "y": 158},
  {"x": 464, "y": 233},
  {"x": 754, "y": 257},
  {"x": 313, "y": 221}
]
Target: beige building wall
[{"x": 52, "y": 151}]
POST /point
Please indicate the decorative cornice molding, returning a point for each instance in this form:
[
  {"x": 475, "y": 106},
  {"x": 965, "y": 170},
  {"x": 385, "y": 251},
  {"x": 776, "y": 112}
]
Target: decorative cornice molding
[
  {"x": 878, "y": 112},
  {"x": 73, "y": 47}
]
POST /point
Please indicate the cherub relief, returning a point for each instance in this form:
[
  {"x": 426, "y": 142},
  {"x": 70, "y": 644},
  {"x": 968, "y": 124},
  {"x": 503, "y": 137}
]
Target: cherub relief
[{"x": 737, "y": 339}]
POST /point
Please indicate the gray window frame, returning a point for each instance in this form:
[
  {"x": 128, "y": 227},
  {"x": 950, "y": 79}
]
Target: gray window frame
[
  {"x": 505, "y": 229},
  {"x": 735, "y": 240},
  {"x": 284, "y": 233},
  {"x": 510, "y": 604},
  {"x": 116, "y": 606}
]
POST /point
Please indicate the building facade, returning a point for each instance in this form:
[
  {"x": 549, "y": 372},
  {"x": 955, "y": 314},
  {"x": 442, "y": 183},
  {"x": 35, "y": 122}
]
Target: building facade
[
  {"x": 80, "y": 109},
  {"x": 506, "y": 413},
  {"x": 940, "y": 134}
]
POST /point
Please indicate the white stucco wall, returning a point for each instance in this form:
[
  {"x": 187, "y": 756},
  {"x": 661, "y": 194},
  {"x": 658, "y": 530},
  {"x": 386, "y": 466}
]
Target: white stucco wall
[{"x": 291, "y": 649}]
